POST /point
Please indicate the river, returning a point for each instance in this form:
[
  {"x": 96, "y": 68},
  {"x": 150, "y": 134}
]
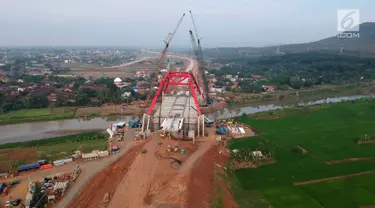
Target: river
[{"x": 37, "y": 130}]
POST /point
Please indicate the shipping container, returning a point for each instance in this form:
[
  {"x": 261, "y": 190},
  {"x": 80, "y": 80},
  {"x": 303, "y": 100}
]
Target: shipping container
[
  {"x": 28, "y": 167},
  {"x": 68, "y": 160},
  {"x": 58, "y": 162}
]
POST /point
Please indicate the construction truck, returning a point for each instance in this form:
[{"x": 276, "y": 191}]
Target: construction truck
[
  {"x": 142, "y": 104},
  {"x": 135, "y": 124}
]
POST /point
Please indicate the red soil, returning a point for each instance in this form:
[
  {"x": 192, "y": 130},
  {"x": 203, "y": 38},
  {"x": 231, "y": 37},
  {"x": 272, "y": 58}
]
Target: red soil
[
  {"x": 204, "y": 178},
  {"x": 105, "y": 181}
]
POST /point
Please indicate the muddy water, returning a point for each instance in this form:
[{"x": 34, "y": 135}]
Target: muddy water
[{"x": 37, "y": 130}]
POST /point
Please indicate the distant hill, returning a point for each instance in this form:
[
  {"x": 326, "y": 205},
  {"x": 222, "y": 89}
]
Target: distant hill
[{"x": 364, "y": 45}]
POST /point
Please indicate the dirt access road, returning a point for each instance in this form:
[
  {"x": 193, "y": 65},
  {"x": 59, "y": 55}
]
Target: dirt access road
[
  {"x": 154, "y": 179},
  {"x": 89, "y": 169}
]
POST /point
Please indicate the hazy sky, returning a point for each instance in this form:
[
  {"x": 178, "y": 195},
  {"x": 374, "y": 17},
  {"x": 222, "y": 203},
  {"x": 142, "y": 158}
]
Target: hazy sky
[{"x": 146, "y": 23}]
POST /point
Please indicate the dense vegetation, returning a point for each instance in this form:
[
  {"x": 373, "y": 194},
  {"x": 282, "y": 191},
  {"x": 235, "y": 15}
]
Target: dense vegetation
[
  {"x": 328, "y": 132},
  {"x": 298, "y": 70},
  {"x": 107, "y": 93}
]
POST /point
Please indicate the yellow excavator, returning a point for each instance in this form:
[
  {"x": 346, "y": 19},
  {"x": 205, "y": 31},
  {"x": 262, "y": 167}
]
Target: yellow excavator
[{"x": 165, "y": 134}]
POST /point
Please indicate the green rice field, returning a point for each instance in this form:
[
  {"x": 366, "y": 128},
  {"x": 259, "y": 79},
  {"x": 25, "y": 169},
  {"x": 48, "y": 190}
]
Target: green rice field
[
  {"x": 329, "y": 132},
  {"x": 29, "y": 115}
]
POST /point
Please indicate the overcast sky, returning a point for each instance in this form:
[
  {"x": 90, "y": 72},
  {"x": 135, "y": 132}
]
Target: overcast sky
[{"x": 145, "y": 23}]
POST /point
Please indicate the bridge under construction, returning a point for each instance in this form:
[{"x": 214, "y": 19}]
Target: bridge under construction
[{"x": 181, "y": 96}]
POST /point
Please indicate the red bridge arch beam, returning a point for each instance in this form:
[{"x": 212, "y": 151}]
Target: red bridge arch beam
[{"x": 180, "y": 79}]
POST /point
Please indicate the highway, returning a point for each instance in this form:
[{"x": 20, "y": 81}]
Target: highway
[{"x": 128, "y": 63}]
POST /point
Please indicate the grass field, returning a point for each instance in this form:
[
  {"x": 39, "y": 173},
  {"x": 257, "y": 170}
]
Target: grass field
[
  {"x": 28, "y": 115},
  {"x": 15, "y": 154},
  {"x": 329, "y": 133}
]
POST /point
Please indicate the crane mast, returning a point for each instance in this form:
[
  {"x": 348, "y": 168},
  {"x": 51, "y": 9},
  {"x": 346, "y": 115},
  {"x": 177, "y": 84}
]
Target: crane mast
[
  {"x": 199, "y": 47},
  {"x": 199, "y": 55}
]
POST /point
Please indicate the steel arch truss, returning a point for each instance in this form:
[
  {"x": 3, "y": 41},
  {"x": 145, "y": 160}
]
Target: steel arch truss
[{"x": 179, "y": 79}]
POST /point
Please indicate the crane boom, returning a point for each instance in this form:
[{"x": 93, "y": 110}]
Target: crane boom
[
  {"x": 199, "y": 47},
  {"x": 167, "y": 42},
  {"x": 162, "y": 56},
  {"x": 194, "y": 44}
]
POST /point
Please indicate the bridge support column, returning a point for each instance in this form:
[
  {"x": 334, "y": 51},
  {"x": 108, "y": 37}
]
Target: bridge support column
[
  {"x": 202, "y": 117},
  {"x": 143, "y": 123},
  {"x": 198, "y": 126}
]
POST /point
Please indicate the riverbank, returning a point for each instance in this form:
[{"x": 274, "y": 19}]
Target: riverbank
[
  {"x": 52, "y": 114},
  {"x": 234, "y": 101},
  {"x": 230, "y": 100}
]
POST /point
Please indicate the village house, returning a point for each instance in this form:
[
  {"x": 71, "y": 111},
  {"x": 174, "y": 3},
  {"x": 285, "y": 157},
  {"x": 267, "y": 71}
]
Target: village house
[
  {"x": 255, "y": 76},
  {"x": 67, "y": 90},
  {"x": 4, "y": 79},
  {"x": 235, "y": 85},
  {"x": 269, "y": 88},
  {"x": 140, "y": 73},
  {"x": 52, "y": 97},
  {"x": 217, "y": 89}
]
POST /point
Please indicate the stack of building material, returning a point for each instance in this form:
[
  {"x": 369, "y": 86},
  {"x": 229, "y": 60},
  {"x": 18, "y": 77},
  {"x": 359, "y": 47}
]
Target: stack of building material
[
  {"x": 90, "y": 156},
  {"x": 103, "y": 153},
  {"x": 60, "y": 187}
]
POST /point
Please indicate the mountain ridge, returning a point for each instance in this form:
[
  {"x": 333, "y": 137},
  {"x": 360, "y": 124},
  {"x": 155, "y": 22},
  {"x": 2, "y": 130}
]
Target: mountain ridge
[{"x": 364, "y": 44}]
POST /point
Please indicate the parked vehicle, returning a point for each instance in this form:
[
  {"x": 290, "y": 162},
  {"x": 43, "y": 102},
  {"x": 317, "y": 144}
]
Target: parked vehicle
[
  {"x": 210, "y": 101},
  {"x": 5, "y": 191},
  {"x": 11, "y": 203},
  {"x": 221, "y": 130},
  {"x": 16, "y": 202},
  {"x": 14, "y": 182},
  {"x": 135, "y": 124},
  {"x": 28, "y": 167},
  {"x": 2, "y": 186}
]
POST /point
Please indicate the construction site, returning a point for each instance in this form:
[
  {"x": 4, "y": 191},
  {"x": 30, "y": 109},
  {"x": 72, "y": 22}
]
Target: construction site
[
  {"x": 168, "y": 162},
  {"x": 177, "y": 149},
  {"x": 168, "y": 158}
]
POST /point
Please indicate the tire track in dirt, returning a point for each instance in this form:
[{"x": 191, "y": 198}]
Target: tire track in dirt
[{"x": 332, "y": 178}]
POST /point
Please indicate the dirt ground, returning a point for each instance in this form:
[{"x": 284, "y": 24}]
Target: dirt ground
[
  {"x": 155, "y": 179},
  {"x": 348, "y": 160},
  {"x": 105, "y": 181},
  {"x": 16, "y": 192},
  {"x": 12, "y": 157}
]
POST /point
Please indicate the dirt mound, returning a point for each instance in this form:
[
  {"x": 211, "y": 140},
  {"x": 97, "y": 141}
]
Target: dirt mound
[{"x": 105, "y": 181}]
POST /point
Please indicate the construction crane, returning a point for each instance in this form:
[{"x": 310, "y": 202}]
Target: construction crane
[
  {"x": 197, "y": 47},
  {"x": 160, "y": 63}
]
